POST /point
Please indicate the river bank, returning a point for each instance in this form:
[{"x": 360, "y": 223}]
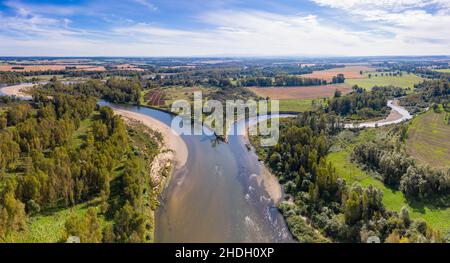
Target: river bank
[
  {"x": 398, "y": 114},
  {"x": 172, "y": 140},
  {"x": 17, "y": 90}
]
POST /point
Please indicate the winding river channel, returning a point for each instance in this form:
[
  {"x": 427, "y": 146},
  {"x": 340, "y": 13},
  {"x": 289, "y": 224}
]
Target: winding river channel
[{"x": 219, "y": 194}]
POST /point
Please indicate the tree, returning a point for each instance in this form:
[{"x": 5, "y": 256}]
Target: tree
[
  {"x": 86, "y": 227},
  {"x": 337, "y": 93},
  {"x": 404, "y": 215},
  {"x": 12, "y": 211},
  {"x": 129, "y": 225}
]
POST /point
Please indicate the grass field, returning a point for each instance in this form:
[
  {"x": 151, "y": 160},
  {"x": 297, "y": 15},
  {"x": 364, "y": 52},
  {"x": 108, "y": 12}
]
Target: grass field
[
  {"x": 405, "y": 81},
  {"x": 79, "y": 136},
  {"x": 298, "y": 105},
  {"x": 428, "y": 139},
  {"x": 394, "y": 200},
  {"x": 445, "y": 70}
]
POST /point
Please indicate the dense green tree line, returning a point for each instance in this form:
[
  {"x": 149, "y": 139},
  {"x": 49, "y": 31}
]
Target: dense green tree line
[
  {"x": 282, "y": 81},
  {"x": 339, "y": 78},
  {"x": 132, "y": 199},
  {"x": 401, "y": 172},
  {"x": 426, "y": 94},
  {"x": 364, "y": 104},
  {"x": 114, "y": 89},
  {"x": 10, "y": 78}
]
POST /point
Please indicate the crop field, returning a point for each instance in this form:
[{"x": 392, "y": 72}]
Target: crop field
[
  {"x": 155, "y": 98},
  {"x": 23, "y": 68},
  {"x": 428, "y": 139},
  {"x": 307, "y": 92},
  {"x": 164, "y": 98},
  {"x": 350, "y": 72},
  {"x": 438, "y": 217},
  {"x": 404, "y": 81},
  {"x": 296, "y": 105},
  {"x": 128, "y": 67}
]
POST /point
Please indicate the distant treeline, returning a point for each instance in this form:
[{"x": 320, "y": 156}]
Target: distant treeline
[
  {"x": 114, "y": 89},
  {"x": 10, "y": 78},
  {"x": 281, "y": 81}
]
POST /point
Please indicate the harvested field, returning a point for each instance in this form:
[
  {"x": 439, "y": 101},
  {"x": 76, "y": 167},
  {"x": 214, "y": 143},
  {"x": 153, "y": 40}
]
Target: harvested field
[
  {"x": 350, "y": 72},
  {"x": 428, "y": 139},
  {"x": 128, "y": 67},
  {"x": 23, "y": 68},
  {"x": 155, "y": 98},
  {"x": 308, "y": 92}
]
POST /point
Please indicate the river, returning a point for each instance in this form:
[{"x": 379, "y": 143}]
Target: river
[{"x": 218, "y": 196}]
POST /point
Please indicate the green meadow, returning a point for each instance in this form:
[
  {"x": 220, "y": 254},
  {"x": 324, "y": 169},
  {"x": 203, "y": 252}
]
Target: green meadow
[{"x": 405, "y": 81}]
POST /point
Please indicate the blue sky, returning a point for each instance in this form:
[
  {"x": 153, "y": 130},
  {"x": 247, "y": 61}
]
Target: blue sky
[{"x": 224, "y": 27}]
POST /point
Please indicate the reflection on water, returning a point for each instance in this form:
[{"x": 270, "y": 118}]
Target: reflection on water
[{"x": 215, "y": 197}]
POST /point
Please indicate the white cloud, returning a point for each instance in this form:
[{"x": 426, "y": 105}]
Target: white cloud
[
  {"x": 147, "y": 4},
  {"x": 392, "y": 5},
  {"x": 400, "y": 28}
]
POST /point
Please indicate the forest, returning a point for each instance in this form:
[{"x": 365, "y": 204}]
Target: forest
[
  {"x": 362, "y": 104},
  {"x": 114, "y": 89},
  {"x": 42, "y": 168}
]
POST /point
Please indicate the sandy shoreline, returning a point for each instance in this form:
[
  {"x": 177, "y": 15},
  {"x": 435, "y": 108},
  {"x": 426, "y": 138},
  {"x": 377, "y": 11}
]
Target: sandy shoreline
[
  {"x": 172, "y": 140},
  {"x": 17, "y": 90},
  {"x": 270, "y": 183},
  {"x": 268, "y": 180}
]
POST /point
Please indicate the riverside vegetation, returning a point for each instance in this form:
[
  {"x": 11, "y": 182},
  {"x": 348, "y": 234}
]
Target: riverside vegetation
[{"x": 66, "y": 159}]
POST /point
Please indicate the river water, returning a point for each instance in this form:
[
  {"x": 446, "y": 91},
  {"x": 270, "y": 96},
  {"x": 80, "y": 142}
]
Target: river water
[{"x": 216, "y": 196}]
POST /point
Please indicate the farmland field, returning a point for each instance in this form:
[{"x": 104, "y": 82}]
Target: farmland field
[
  {"x": 23, "y": 68},
  {"x": 405, "y": 81},
  {"x": 164, "y": 98},
  {"x": 445, "y": 70},
  {"x": 155, "y": 98},
  {"x": 428, "y": 139},
  {"x": 297, "y": 105},
  {"x": 308, "y": 92},
  {"x": 350, "y": 72}
]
